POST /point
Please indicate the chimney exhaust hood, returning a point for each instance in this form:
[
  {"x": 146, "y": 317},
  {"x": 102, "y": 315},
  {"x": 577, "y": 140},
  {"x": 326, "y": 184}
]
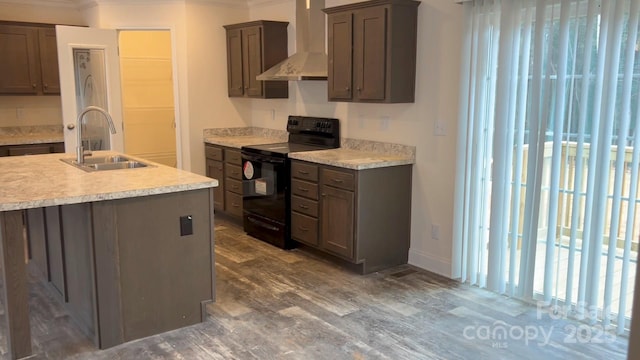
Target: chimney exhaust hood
[{"x": 310, "y": 60}]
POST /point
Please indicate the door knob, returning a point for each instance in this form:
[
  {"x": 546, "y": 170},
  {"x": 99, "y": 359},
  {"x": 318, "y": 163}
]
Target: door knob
[{"x": 71, "y": 126}]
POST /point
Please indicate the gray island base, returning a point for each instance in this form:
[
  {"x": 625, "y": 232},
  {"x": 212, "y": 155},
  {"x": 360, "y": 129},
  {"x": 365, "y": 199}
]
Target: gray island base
[{"x": 128, "y": 252}]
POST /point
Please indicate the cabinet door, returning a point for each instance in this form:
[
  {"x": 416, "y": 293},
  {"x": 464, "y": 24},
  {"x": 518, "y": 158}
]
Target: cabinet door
[
  {"x": 234, "y": 62},
  {"x": 215, "y": 170},
  {"x": 369, "y": 59},
  {"x": 337, "y": 221},
  {"x": 18, "y": 72},
  {"x": 252, "y": 59},
  {"x": 49, "y": 61},
  {"x": 340, "y": 56},
  {"x": 55, "y": 249}
]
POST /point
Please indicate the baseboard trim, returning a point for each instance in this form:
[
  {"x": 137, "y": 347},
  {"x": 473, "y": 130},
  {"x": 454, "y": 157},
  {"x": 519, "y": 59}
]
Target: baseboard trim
[{"x": 429, "y": 262}]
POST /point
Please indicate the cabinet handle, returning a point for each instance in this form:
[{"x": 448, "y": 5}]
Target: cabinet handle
[
  {"x": 303, "y": 206},
  {"x": 46, "y": 86},
  {"x": 347, "y": 89},
  {"x": 303, "y": 189},
  {"x": 34, "y": 86},
  {"x": 302, "y": 172},
  {"x": 359, "y": 89},
  {"x": 302, "y": 228},
  {"x": 235, "y": 205},
  {"x": 339, "y": 181},
  {"x": 324, "y": 195}
]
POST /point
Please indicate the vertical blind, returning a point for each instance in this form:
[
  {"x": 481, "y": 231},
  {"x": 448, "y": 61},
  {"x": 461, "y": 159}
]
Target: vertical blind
[{"x": 548, "y": 153}]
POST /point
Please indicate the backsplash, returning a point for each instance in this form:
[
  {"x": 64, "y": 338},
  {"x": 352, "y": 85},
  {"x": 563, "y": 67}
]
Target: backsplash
[
  {"x": 378, "y": 147},
  {"x": 30, "y": 130},
  {"x": 247, "y": 131}
]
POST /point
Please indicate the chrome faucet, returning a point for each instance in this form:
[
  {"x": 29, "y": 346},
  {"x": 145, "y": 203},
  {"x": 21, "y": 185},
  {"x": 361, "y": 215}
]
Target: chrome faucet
[{"x": 80, "y": 152}]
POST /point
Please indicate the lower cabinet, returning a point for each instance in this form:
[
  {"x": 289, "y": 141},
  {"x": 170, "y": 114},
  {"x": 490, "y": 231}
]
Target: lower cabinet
[
  {"x": 31, "y": 149},
  {"x": 361, "y": 216},
  {"x": 225, "y": 165},
  {"x": 123, "y": 268}
]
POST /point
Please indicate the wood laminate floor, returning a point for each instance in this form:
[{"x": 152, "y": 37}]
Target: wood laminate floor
[{"x": 276, "y": 304}]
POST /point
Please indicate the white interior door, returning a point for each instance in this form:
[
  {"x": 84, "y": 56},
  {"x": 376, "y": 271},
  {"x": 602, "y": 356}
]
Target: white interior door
[{"x": 77, "y": 87}]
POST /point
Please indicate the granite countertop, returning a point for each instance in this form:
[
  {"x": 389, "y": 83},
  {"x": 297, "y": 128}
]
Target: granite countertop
[
  {"x": 43, "y": 180},
  {"x": 24, "y": 135},
  {"x": 353, "y": 154},
  {"x": 353, "y": 159},
  {"x": 240, "y": 140}
]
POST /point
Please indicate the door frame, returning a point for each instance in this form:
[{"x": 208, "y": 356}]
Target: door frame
[{"x": 176, "y": 86}]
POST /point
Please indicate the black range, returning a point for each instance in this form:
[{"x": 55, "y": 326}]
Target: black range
[{"x": 266, "y": 174}]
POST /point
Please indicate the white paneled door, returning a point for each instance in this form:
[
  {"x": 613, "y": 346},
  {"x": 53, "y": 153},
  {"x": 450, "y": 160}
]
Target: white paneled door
[{"x": 90, "y": 75}]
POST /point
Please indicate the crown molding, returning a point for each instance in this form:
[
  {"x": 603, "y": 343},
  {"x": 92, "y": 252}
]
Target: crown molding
[
  {"x": 267, "y": 2},
  {"x": 48, "y": 3},
  {"x": 82, "y": 4}
]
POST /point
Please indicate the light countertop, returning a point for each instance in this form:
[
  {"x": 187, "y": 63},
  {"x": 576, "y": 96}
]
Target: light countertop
[
  {"x": 353, "y": 159},
  {"x": 35, "y": 181},
  {"x": 240, "y": 140}
]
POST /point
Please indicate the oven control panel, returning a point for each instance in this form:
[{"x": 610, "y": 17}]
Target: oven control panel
[{"x": 310, "y": 125}]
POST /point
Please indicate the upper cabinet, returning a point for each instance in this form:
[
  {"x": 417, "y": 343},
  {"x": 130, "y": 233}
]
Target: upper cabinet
[
  {"x": 372, "y": 51},
  {"x": 29, "y": 64},
  {"x": 252, "y": 48}
]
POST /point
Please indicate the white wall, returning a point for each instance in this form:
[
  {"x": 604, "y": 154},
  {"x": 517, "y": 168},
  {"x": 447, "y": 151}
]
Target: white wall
[
  {"x": 438, "y": 59},
  {"x": 209, "y": 103}
]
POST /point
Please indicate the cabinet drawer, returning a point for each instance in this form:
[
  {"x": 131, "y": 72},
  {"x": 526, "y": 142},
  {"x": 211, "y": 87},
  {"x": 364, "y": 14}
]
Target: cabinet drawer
[
  {"x": 233, "y": 156},
  {"x": 305, "y": 189},
  {"x": 233, "y": 171},
  {"x": 304, "y": 171},
  {"x": 234, "y": 203},
  {"x": 305, "y": 206},
  {"x": 339, "y": 179},
  {"x": 304, "y": 228},
  {"x": 234, "y": 185},
  {"x": 29, "y": 150},
  {"x": 213, "y": 152}
]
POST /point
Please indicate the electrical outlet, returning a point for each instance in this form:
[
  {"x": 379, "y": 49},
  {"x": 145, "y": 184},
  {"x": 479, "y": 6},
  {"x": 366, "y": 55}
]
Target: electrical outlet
[
  {"x": 384, "y": 123},
  {"x": 19, "y": 113},
  {"x": 273, "y": 114},
  {"x": 440, "y": 128},
  {"x": 435, "y": 231}
]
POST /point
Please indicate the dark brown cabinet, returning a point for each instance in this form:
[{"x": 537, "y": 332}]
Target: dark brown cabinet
[
  {"x": 225, "y": 165},
  {"x": 361, "y": 216},
  {"x": 30, "y": 61},
  {"x": 372, "y": 51},
  {"x": 252, "y": 48},
  {"x": 121, "y": 268},
  {"x": 31, "y": 149}
]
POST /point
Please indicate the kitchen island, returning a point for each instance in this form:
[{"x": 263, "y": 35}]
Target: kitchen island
[{"x": 129, "y": 252}]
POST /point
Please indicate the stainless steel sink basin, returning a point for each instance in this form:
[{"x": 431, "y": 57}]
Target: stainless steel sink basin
[
  {"x": 105, "y": 159},
  {"x": 117, "y": 165},
  {"x": 101, "y": 163}
]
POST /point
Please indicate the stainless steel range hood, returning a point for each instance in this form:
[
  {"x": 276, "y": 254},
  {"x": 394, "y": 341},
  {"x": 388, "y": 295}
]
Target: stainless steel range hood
[{"x": 310, "y": 60}]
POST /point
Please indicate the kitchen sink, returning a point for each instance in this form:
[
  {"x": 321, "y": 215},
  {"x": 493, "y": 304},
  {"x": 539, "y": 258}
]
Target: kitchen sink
[
  {"x": 117, "y": 165},
  {"x": 101, "y": 163}
]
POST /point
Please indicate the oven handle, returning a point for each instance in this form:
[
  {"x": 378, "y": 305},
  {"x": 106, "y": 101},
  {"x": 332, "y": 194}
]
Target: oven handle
[
  {"x": 262, "y": 223},
  {"x": 261, "y": 158}
]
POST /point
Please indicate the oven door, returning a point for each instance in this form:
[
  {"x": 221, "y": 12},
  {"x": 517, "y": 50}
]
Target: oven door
[{"x": 264, "y": 185}]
